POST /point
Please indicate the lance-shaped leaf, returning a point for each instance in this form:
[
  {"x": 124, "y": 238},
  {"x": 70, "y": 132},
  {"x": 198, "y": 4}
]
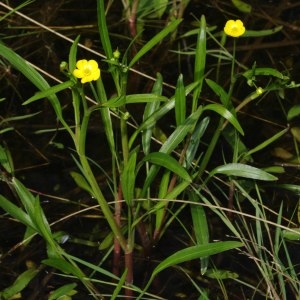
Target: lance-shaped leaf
[
  {"x": 135, "y": 98},
  {"x": 20, "y": 283},
  {"x": 180, "y": 101},
  {"x": 53, "y": 90},
  {"x": 164, "y": 109},
  {"x": 31, "y": 74},
  {"x": 226, "y": 114},
  {"x": 128, "y": 178},
  {"x": 264, "y": 72},
  {"x": 169, "y": 162},
  {"x": 172, "y": 142},
  {"x": 242, "y": 170},
  {"x": 191, "y": 253},
  {"x": 150, "y": 108}
]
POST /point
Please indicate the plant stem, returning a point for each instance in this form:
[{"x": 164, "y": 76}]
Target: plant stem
[
  {"x": 129, "y": 276},
  {"x": 94, "y": 184}
]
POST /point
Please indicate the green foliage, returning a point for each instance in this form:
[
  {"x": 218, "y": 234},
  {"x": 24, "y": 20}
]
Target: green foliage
[
  {"x": 179, "y": 178},
  {"x": 242, "y": 6},
  {"x": 65, "y": 290},
  {"x": 20, "y": 283}
]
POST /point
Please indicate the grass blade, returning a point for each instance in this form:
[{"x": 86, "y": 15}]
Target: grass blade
[
  {"x": 20, "y": 283},
  {"x": 150, "y": 108},
  {"x": 191, "y": 253},
  {"x": 180, "y": 101},
  {"x": 31, "y": 74},
  {"x": 103, "y": 31},
  {"x": 242, "y": 170},
  {"x": 200, "y": 61},
  {"x": 226, "y": 114},
  {"x": 200, "y": 227},
  {"x": 170, "y": 163}
]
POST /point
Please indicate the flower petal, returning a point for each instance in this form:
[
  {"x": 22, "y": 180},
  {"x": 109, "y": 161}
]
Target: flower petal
[
  {"x": 81, "y": 63},
  {"x": 234, "y": 28},
  {"x": 78, "y": 73},
  {"x": 93, "y": 64},
  {"x": 87, "y": 70},
  {"x": 96, "y": 74}
]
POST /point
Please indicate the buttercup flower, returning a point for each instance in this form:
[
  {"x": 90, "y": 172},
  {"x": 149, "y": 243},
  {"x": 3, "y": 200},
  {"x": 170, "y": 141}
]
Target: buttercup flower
[
  {"x": 87, "y": 70},
  {"x": 234, "y": 28}
]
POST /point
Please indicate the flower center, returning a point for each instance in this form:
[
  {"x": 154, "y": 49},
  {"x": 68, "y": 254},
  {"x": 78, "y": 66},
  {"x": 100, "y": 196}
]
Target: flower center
[
  {"x": 87, "y": 70},
  {"x": 234, "y": 28}
]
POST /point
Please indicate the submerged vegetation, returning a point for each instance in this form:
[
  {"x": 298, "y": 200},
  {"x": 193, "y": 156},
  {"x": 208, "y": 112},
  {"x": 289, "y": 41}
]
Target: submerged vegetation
[{"x": 149, "y": 150}]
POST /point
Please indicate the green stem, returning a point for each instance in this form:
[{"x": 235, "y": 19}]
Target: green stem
[
  {"x": 94, "y": 184},
  {"x": 124, "y": 139},
  {"x": 211, "y": 148},
  {"x": 220, "y": 127},
  {"x": 123, "y": 121}
]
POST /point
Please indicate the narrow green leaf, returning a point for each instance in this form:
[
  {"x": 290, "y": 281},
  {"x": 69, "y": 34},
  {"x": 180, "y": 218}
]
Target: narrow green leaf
[
  {"x": 242, "y": 6},
  {"x": 264, "y": 72},
  {"x": 18, "y": 118},
  {"x": 27, "y": 199},
  {"x": 219, "y": 91},
  {"x": 63, "y": 265},
  {"x": 155, "y": 40},
  {"x": 20, "y": 283},
  {"x": 195, "y": 141},
  {"x": 92, "y": 266},
  {"x": 136, "y": 98},
  {"x": 106, "y": 117},
  {"x": 107, "y": 241},
  {"x": 6, "y": 160},
  {"x": 128, "y": 178},
  {"x": 163, "y": 110},
  {"x": 102, "y": 29},
  {"x": 242, "y": 170},
  {"x": 221, "y": 274},
  {"x": 264, "y": 32},
  {"x": 81, "y": 182},
  {"x": 67, "y": 289},
  {"x": 16, "y": 212},
  {"x": 73, "y": 54},
  {"x": 291, "y": 235},
  {"x": 181, "y": 131},
  {"x": 200, "y": 227},
  {"x": 50, "y": 91},
  {"x": 294, "y": 188},
  {"x": 121, "y": 283},
  {"x": 170, "y": 163},
  {"x": 31, "y": 74},
  {"x": 144, "y": 98},
  {"x": 13, "y": 10},
  {"x": 44, "y": 229},
  {"x": 267, "y": 142},
  {"x": 293, "y": 112},
  {"x": 226, "y": 114},
  {"x": 150, "y": 108},
  {"x": 200, "y": 62},
  {"x": 195, "y": 252},
  {"x": 275, "y": 169},
  {"x": 172, "y": 142},
  {"x": 180, "y": 101},
  {"x": 191, "y": 253},
  {"x": 163, "y": 190}
]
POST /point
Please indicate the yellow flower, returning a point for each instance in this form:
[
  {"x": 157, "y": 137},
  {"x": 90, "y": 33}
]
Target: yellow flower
[
  {"x": 234, "y": 28},
  {"x": 87, "y": 70}
]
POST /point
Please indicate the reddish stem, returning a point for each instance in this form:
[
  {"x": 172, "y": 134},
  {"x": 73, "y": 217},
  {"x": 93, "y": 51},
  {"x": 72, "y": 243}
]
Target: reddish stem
[
  {"x": 129, "y": 276},
  {"x": 117, "y": 247}
]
